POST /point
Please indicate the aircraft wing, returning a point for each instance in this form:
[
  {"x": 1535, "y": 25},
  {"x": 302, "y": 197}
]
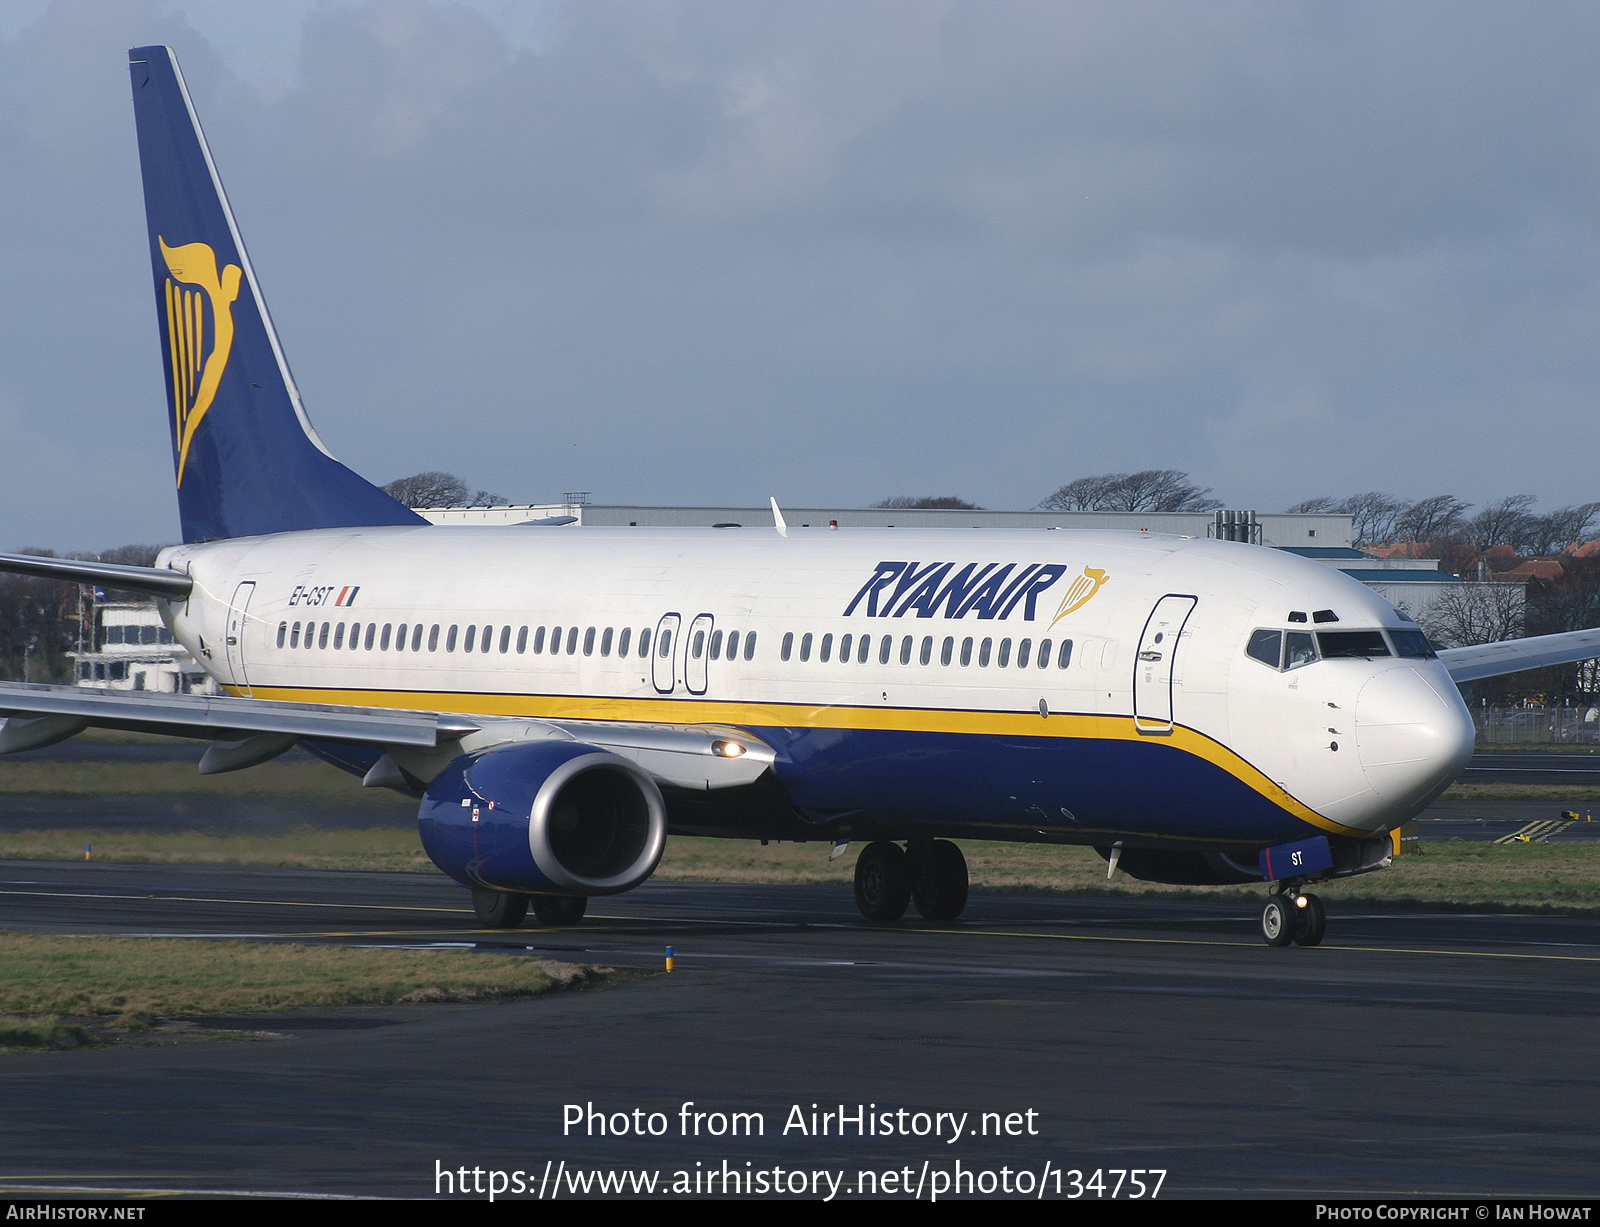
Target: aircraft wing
[
  {"x": 1515, "y": 655},
  {"x": 245, "y": 732}
]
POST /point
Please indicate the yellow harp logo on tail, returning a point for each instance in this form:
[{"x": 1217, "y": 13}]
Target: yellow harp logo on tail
[
  {"x": 1080, "y": 592},
  {"x": 199, "y": 332}
]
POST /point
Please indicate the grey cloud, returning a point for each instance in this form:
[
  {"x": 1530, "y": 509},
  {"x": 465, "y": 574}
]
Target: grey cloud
[{"x": 707, "y": 251}]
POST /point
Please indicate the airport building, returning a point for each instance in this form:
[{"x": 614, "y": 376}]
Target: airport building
[{"x": 123, "y": 645}]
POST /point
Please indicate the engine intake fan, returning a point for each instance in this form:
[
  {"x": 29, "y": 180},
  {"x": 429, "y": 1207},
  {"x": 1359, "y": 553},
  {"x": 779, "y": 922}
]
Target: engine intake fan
[{"x": 547, "y": 817}]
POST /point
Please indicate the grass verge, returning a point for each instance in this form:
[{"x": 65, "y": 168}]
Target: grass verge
[
  {"x": 1454, "y": 874},
  {"x": 387, "y": 849},
  {"x": 1564, "y": 877},
  {"x": 54, "y": 989},
  {"x": 305, "y": 783}
]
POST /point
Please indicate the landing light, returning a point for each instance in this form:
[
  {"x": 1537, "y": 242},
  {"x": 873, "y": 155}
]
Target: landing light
[
  {"x": 1300, "y": 901},
  {"x": 727, "y": 749}
]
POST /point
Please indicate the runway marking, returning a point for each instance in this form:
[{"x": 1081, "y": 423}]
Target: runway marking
[
  {"x": 662, "y": 920},
  {"x": 1188, "y": 941}
]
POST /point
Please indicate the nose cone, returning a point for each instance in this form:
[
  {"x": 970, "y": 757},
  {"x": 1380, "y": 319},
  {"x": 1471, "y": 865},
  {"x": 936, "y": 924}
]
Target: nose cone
[{"x": 1413, "y": 735}]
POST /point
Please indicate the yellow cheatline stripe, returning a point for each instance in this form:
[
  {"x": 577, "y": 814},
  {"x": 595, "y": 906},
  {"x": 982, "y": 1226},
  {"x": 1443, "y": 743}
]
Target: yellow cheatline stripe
[{"x": 790, "y": 715}]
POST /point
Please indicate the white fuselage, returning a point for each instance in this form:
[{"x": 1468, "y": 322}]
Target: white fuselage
[{"x": 1351, "y": 746}]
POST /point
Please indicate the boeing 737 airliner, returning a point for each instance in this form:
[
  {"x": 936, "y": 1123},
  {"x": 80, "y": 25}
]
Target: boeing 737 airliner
[{"x": 561, "y": 700}]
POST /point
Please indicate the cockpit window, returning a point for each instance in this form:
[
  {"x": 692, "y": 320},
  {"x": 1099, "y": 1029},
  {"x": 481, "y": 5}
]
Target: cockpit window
[
  {"x": 1361, "y": 644},
  {"x": 1411, "y": 643},
  {"x": 1298, "y": 650},
  {"x": 1266, "y": 646}
]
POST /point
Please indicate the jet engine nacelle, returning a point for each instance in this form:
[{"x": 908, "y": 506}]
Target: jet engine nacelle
[{"x": 547, "y": 817}]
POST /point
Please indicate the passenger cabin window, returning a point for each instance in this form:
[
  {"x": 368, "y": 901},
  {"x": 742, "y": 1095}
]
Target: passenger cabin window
[
  {"x": 863, "y": 649},
  {"x": 622, "y": 640},
  {"x": 749, "y": 645},
  {"x": 905, "y": 650},
  {"x": 450, "y": 639},
  {"x": 1267, "y": 647},
  {"x": 433, "y": 638},
  {"x": 1005, "y": 653},
  {"x": 294, "y": 636},
  {"x": 805, "y": 646},
  {"x": 283, "y": 632},
  {"x": 697, "y": 646},
  {"x": 572, "y": 640},
  {"x": 522, "y": 641},
  {"x": 644, "y": 643},
  {"x": 588, "y": 642},
  {"x": 538, "y": 640},
  {"x": 472, "y": 632},
  {"x": 400, "y": 638},
  {"x": 605, "y": 642},
  {"x": 827, "y": 648},
  {"x": 1023, "y": 650},
  {"x": 716, "y": 645},
  {"x": 487, "y": 641},
  {"x": 927, "y": 649},
  {"x": 1361, "y": 644},
  {"x": 322, "y": 636},
  {"x": 372, "y": 632},
  {"x": 1065, "y": 657},
  {"x": 338, "y": 636},
  {"x": 1044, "y": 654},
  {"x": 946, "y": 650}
]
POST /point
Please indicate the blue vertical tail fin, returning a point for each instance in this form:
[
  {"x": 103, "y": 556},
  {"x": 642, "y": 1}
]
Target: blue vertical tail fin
[{"x": 247, "y": 458}]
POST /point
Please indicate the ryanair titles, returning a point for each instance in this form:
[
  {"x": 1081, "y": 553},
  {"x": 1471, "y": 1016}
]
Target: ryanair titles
[{"x": 991, "y": 590}]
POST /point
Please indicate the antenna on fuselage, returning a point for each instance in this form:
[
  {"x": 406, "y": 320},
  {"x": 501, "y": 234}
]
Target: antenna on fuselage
[{"x": 777, "y": 518}]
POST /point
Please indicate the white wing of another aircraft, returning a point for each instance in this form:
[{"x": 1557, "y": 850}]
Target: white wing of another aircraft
[{"x": 1515, "y": 655}]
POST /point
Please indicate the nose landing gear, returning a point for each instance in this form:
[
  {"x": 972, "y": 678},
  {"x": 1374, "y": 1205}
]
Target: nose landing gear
[{"x": 1293, "y": 917}]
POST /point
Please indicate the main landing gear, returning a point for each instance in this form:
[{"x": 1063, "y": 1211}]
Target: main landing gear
[
  {"x": 932, "y": 873},
  {"x": 498, "y": 909},
  {"x": 1293, "y": 917}
]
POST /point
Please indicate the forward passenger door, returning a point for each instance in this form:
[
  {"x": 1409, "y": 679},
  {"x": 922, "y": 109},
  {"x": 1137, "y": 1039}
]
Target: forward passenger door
[{"x": 1155, "y": 662}]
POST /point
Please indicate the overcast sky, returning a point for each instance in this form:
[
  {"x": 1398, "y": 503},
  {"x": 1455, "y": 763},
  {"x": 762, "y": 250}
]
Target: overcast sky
[{"x": 708, "y": 252}]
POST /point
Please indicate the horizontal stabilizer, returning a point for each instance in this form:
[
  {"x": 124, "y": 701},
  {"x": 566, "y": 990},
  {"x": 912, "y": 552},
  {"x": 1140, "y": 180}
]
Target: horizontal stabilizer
[{"x": 153, "y": 581}]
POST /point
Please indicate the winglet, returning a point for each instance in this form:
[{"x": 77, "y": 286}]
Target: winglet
[{"x": 777, "y": 519}]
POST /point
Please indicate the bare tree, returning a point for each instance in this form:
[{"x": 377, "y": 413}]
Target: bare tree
[
  {"x": 1320, "y": 505},
  {"x": 1552, "y": 533},
  {"x": 1376, "y": 517},
  {"x": 1149, "y": 490},
  {"x": 37, "y": 628},
  {"x": 1466, "y": 614},
  {"x": 903, "y": 502},
  {"x": 1502, "y": 523},
  {"x": 1441, "y": 518},
  {"x": 436, "y": 489}
]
